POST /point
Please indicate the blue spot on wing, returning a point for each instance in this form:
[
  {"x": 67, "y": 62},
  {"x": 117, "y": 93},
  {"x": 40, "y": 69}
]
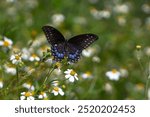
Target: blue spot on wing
[
  {"x": 57, "y": 52},
  {"x": 74, "y": 57}
]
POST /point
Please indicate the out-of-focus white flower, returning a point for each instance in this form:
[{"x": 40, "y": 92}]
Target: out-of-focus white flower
[
  {"x": 86, "y": 75},
  {"x": 34, "y": 57},
  {"x": 26, "y": 96},
  {"x": 147, "y": 51},
  {"x": 88, "y": 52},
  {"x": 57, "y": 19},
  {"x": 10, "y": 0},
  {"x": 55, "y": 83},
  {"x": 29, "y": 86},
  {"x": 96, "y": 59},
  {"x": 1, "y": 84},
  {"x": 41, "y": 50},
  {"x": 147, "y": 23},
  {"x": 40, "y": 40},
  {"x": 71, "y": 75},
  {"x": 10, "y": 69},
  {"x": 42, "y": 95},
  {"x": 113, "y": 74},
  {"x": 124, "y": 8},
  {"x": 123, "y": 72},
  {"x": 6, "y": 42},
  {"x": 25, "y": 54},
  {"x": 108, "y": 87},
  {"x": 121, "y": 21},
  {"x": 100, "y": 14},
  {"x": 56, "y": 90},
  {"x": 146, "y": 8},
  {"x": 16, "y": 59}
]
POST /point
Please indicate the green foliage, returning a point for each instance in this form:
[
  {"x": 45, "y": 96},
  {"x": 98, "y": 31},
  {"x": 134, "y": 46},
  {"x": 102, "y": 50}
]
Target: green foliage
[{"x": 121, "y": 26}]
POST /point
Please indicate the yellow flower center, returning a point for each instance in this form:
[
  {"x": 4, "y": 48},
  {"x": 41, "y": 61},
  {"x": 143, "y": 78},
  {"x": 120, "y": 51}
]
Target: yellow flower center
[
  {"x": 17, "y": 57},
  {"x": 56, "y": 89},
  {"x": 6, "y": 43},
  {"x": 27, "y": 94},
  {"x": 72, "y": 73},
  {"x": 34, "y": 55},
  {"x": 88, "y": 73},
  {"x": 114, "y": 71}
]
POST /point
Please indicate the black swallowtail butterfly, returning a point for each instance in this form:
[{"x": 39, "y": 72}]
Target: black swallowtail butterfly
[{"x": 72, "y": 48}]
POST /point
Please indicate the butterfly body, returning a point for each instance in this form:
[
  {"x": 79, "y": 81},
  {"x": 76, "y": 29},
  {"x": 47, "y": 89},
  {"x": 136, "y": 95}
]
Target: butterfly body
[{"x": 72, "y": 48}]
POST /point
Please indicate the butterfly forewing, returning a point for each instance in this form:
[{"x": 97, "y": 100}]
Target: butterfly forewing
[
  {"x": 53, "y": 36},
  {"x": 83, "y": 41}
]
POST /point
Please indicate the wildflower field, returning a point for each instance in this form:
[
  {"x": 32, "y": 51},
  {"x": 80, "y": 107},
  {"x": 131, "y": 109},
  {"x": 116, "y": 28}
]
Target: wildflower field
[{"x": 115, "y": 66}]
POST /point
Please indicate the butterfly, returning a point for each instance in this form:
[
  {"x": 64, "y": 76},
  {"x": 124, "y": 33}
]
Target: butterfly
[{"x": 72, "y": 48}]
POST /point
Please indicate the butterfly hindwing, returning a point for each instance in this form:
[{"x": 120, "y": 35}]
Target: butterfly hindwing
[
  {"x": 73, "y": 53},
  {"x": 58, "y": 51}
]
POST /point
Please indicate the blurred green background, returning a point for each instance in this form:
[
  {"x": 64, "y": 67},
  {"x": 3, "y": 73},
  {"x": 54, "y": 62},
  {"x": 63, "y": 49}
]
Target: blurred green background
[{"x": 120, "y": 25}]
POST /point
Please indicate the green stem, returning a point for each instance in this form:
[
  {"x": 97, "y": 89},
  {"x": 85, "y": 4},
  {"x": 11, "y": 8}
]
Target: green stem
[
  {"x": 48, "y": 74},
  {"x": 44, "y": 82}
]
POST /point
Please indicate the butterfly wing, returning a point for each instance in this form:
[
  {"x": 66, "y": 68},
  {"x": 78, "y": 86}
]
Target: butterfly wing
[
  {"x": 53, "y": 36},
  {"x": 77, "y": 44},
  {"x": 57, "y": 41}
]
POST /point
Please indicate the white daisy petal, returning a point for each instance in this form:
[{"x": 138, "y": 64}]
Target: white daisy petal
[
  {"x": 22, "y": 97},
  {"x": 71, "y": 79}
]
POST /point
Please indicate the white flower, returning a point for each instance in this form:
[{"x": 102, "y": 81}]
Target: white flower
[
  {"x": 88, "y": 52},
  {"x": 108, "y": 87},
  {"x": 28, "y": 86},
  {"x": 121, "y": 21},
  {"x": 34, "y": 57},
  {"x": 86, "y": 75},
  {"x": 1, "y": 84},
  {"x": 55, "y": 83},
  {"x": 100, "y": 14},
  {"x": 6, "y": 42},
  {"x": 147, "y": 51},
  {"x": 42, "y": 95},
  {"x": 124, "y": 8},
  {"x": 10, "y": 70},
  {"x": 57, "y": 90},
  {"x": 57, "y": 19},
  {"x": 96, "y": 59},
  {"x": 113, "y": 75},
  {"x": 146, "y": 8},
  {"x": 123, "y": 72},
  {"x": 16, "y": 59},
  {"x": 71, "y": 75},
  {"x": 26, "y": 96},
  {"x": 25, "y": 54}
]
